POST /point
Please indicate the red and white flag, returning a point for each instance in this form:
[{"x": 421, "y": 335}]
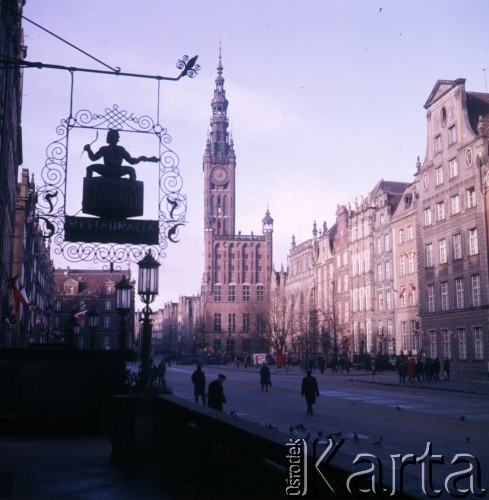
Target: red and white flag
[
  {"x": 20, "y": 295},
  {"x": 80, "y": 316}
]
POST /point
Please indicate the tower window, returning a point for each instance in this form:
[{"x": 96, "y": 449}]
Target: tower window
[
  {"x": 259, "y": 293},
  {"x": 217, "y": 322}
]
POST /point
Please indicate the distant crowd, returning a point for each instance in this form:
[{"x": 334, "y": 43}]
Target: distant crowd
[{"x": 418, "y": 370}]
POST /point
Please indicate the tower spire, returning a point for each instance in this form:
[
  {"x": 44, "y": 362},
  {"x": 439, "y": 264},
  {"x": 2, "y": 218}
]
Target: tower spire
[{"x": 220, "y": 143}]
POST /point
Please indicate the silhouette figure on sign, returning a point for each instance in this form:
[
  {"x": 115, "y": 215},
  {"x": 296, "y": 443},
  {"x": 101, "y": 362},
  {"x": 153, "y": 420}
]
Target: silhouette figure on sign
[{"x": 113, "y": 156}]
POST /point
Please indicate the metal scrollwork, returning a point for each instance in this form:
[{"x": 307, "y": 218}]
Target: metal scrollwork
[{"x": 172, "y": 204}]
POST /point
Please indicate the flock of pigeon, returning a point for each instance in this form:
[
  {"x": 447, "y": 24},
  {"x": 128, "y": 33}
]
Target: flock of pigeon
[{"x": 300, "y": 430}]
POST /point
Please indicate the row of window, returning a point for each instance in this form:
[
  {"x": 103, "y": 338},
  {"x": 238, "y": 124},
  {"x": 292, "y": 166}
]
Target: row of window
[
  {"x": 455, "y": 206},
  {"x": 359, "y": 231},
  {"x": 384, "y": 301},
  {"x": 472, "y": 244},
  {"x": 245, "y": 256},
  {"x": 108, "y": 305},
  {"x": 451, "y": 137},
  {"x": 360, "y": 262},
  {"x": 441, "y": 299},
  {"x": 232, "y": 268},
  {"x": 447, "y": 337},
  {"x": 245, "y": 293},
  {"x": 105, "y": 321},
  {"x": 452, "y": 171},
  {"x": 246, "y": 323}
]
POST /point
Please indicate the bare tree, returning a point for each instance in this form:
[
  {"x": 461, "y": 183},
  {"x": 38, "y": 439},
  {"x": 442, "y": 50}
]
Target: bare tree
[
  {"x": 274, "y": 321},
  {"x": 334, "y": 331}
]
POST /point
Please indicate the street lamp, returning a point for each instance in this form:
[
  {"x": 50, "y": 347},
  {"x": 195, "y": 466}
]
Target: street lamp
[
  {"x": 93, "y": 318},
  {"x": 147, "y": 290},
  {"x": 123, "y": 292}
]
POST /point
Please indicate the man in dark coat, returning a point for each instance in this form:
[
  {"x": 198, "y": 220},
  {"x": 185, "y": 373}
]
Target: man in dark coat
[
  {"x": 198, "y": 379},
  {"x": 216, "y": 393},
  {"x": 309, "y": 390},
  {"x": 265, "y": 380}
]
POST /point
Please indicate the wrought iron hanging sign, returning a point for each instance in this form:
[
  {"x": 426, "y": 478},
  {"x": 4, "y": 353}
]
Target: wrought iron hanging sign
[{"x": 114, "y": 227}]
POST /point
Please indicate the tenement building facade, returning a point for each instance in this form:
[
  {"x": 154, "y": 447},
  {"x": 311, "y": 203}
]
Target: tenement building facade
[
  {"x": 238, "y": 267},
  {"x": 452, "y": 228},
  {"x": 405, "y": 290}
]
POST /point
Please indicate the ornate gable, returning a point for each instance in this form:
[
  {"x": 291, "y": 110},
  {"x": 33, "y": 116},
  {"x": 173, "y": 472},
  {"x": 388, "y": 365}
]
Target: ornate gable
[{"x": 441, "y": 88}]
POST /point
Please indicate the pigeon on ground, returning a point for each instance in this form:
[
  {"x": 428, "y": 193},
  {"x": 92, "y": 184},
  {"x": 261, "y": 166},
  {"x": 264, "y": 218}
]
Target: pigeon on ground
[{"x": 355, "y": 437}]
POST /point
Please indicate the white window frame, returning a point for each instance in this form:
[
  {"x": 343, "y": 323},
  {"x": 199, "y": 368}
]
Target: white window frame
[
  {"x": 462, "y": 343},
  {"x": 471, "y": 198},
  {"x": 455, "y": 204},
  {"x": 401, "y": 236},
  {"x": 429, "y": 255},
  {"x": 440, "y": 211},
  {"x": 431, "y": 299},
  {"x": 453, "y": 168},
  {"x": 442, "y": 251},
  {"x": 445, "y": 296},
  {"x": 452, "y": 135},
  {"x": 478, "y": 342},
  {"x": 438, "y": 175},
  {"x": 473, "y": 242},
  {"x": 457, "y": 246},
  {"x": 459, "y": 293},
  {"x": 475, "y": 281}
]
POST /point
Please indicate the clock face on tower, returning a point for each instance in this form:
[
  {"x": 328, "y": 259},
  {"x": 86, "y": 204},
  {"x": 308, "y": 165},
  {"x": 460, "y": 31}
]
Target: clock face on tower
[{"x": 219, "y": 175}]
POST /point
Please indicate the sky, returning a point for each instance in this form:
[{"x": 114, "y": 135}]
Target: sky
[{"x": 325, "y": 98}]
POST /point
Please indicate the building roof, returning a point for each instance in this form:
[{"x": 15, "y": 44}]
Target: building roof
[
  {"x": 90, "y": 282},
  {"x": 478, "y": 108}
]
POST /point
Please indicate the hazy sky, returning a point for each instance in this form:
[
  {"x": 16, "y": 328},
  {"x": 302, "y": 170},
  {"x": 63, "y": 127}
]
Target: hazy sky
[{"x": 325, "y": 97}]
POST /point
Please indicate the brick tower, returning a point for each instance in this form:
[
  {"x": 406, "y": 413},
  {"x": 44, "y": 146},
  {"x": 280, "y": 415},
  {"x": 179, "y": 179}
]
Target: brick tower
[{"x": 236, "y": 280}]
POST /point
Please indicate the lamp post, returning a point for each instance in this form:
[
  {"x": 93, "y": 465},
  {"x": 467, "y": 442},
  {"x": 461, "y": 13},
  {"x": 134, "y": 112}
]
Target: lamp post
[
  {"x": 147, "y": 290},
  {"x": 123, "y": 292},
  {"x": 93, "y": 318}
]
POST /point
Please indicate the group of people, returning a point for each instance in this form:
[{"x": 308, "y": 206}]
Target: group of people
[
  {"x": 215, "y": 395},
  {"x": 214, "y": 398},
  {"x": 422, "y": 371}
]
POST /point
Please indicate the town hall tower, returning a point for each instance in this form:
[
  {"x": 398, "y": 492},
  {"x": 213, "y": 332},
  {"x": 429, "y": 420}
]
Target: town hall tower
[{"x": 237, "y": 270}]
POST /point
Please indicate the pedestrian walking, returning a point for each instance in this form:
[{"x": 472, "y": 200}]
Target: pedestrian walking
[
  {"x": 309, "y": 390},
  {"x": 198, "y": 379},
  {"x": 321, "y": 364},
  {"x": 436, "y": 369},
  {"x": 265, "y": 379},
  {"x": 161, "y": 372},
  {"x": 401, "y": 368},
  {"x": 446, "y": 369},
  {"x": 215, "y": 395}
]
